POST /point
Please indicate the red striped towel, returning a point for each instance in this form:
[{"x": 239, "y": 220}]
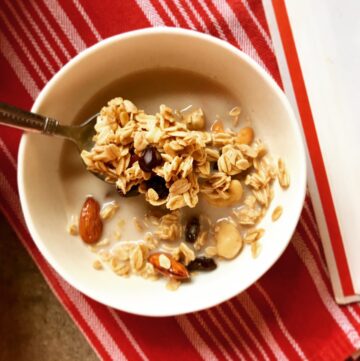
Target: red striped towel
[{"x": 289, "y": 313}]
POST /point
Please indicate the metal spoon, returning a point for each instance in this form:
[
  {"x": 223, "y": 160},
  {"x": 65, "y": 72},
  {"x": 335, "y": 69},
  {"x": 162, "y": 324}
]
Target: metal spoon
[{"x": 81, "y": 135}]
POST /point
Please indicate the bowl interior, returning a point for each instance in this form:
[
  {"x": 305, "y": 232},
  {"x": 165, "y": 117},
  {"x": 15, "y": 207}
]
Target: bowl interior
[{"x": 44, "y": 195}]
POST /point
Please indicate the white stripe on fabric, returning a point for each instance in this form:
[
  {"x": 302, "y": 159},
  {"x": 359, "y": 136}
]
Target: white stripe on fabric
[
  {"x": 16, "y": 64},
  {"x": 312, "y": 219},
  {"x": 254, "y": 313},
  {"x": 128, "y": 334},
  {"x": 195, "y": 339},
  {"x": 48, "y": 26},
  {"x": 169, "y": 13},
  {"x": 30, "y": 37},
  {"x": 224, "y": 333},
  {"x": 185, "y": 15},
  {"x": 40, "y": 34},
  {"x": 354, "y": 314},
  {"x": 315, "y": 244},
  {"x": 238, "y": 31},
  {"x": 248, "y": 331},
  {"x": 197, "y": 16},
  {"x": 336, "y": 313},
  {"x": 258, "y": 25},
  {"x": 8, "y": 154},
  {"x": 281, "y": 324},
  {"x": 212, "y": 336},
  {"x": 87, "y": 19},
  {"x": 213, "y": 20},
  {"x": 236, "y": 332},
  {"x": 23, "y": 47},
  {"x": 66, "y": 25},
  {"x": 150, "y": 12}
]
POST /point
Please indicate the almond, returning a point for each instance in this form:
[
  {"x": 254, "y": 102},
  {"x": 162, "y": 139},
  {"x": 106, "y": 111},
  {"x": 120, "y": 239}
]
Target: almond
[
  {"x": 176, "y": 269},
  {"x": 90, "y": 224}
]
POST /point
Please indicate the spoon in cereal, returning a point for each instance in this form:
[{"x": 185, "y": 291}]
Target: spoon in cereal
[{"x": 81, "y": 135}]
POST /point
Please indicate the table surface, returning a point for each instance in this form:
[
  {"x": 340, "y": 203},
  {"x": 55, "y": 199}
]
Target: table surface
[{"x": 33, "y": 324}]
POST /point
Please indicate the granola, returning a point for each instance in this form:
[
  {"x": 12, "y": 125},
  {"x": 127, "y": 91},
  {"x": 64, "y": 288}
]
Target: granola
[{"x": 173, "y": 162}]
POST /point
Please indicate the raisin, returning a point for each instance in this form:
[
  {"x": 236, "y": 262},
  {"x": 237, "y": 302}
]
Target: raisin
[
  {"x": 133, "y": 158},
  {"x": 202, "y": 264},
  {"x": 158, "y": 184},
  {"x": 149, "y": 159},
  {"x": 192, "y": 230},
  {"x": 133, "y": 191}
]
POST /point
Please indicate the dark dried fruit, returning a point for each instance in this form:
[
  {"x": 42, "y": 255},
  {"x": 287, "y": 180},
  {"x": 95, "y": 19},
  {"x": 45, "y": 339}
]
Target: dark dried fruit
[
  {"x": 175, "y": 270},
  {"x": 149, "y": 159},
  {"x": 134, "y": 191},
  {"x": 192, "y": 229},
  {"x": 158, "y": 184},
  {"x": 202, "y": 264},
  {"x": 133, "y": 158},
  {"x": 90, "y": 224}
]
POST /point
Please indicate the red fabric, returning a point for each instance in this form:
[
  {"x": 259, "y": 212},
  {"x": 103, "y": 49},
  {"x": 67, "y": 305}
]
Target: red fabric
[{"x": 289, "y": 313}]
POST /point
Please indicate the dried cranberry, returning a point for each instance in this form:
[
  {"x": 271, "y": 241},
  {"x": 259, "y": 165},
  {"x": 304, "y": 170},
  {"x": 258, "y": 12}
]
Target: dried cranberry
[
  {"x": 149, "y": 159},
  {"x": 202, "y": 264},
  {"x": 134, "y": 191},
  {"x": 192, "y": 230},
  {"x": 158, "y": 184}
]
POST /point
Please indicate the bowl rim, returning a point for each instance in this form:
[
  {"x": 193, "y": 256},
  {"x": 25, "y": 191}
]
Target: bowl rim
[{"x": 65, "y": 274}]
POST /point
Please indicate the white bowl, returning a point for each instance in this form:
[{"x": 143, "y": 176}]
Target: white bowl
[{"x": 42, "y": 192}]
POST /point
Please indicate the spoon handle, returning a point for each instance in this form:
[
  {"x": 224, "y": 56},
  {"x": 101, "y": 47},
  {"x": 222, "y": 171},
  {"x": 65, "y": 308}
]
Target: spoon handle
[{"x": 22, "y": 119}]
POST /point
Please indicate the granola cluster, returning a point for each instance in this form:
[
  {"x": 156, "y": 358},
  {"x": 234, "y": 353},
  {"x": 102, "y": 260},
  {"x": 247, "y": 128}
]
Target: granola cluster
[{"x": 191, "y": 160}]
